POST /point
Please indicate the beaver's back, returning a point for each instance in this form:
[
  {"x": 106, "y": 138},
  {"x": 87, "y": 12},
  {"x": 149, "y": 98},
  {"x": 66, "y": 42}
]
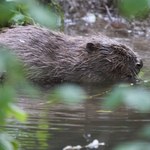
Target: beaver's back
[
  {"x": 43, "y": 52},
  {"x": 49, "y": 56}
]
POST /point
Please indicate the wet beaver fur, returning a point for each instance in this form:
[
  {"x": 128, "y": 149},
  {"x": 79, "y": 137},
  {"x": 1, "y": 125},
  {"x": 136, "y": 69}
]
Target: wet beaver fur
[{"x": 50, "y": 56}]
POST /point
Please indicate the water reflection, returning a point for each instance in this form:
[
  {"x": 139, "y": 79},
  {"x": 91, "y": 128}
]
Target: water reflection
[{"x": 54, "y": 126}]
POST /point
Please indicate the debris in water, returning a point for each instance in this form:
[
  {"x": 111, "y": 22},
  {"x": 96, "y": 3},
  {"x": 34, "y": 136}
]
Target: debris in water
[
  {"x": 95, "y": 144},
  {"x": 78, "y": 147}
]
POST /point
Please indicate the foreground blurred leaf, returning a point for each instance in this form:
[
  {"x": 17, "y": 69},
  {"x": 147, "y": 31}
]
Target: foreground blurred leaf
[
  {"x": 13, "y": 66},
  {"x": 7, "y": 142},
  {"x": 134, "y": 8},
  {"x": 7, "y": 94},
  {"x": 134, "y": 97},
  {"x": 145, "y": 131},
  {"x": 18, "y": 19},
  {"x": 113, "y": 100},
  {"x": 14, "y": 77},
  {"x": 5, "y": 12},
  {"x": 25, "y": 87},
  {"x": 43, "y": 15},
  {"x": 18, "y": 113},
  {"x": 22, "y": 12},
  {"x": 137, "y": 98},
  {"x": 69, "y": 94},
  {"x": 138, "y": 145}
]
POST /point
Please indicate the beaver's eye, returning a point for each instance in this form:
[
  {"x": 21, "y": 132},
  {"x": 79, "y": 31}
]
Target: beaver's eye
[{"x": 92, "y": 47}]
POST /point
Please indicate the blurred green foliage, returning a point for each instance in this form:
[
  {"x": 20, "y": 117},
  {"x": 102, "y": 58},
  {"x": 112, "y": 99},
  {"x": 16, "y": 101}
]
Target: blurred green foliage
[
  {"x": 8, "y": 96},
  {"x": 69, "y": 94},
  {"x": 137, "y": 98},
  {"x": 23, "y": 12},
  {"x": 7, "y": 142},
  {"x": 134, "y": 8},
  {"x": 8, "y": 89},
  {"x": 134, "y": 97},
  {"x": 137, "y": 145}
]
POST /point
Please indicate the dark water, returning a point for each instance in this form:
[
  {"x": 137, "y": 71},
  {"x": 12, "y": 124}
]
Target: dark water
[{"x": 55, "y": 126}]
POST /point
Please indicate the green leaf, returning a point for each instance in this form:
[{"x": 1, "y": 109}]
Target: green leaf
[
  {"x": 7, "y": 94},
  {"x": 13, "y": 67},
  {"x": 114, "y": 98},
  {"x": 138, "y": 145},
  {"x": 134, "y": 8},
  {"x": 134, "y": 97},
  {"x": 5, "y": 12},
  {"x": 7, "y": 142},
  {"x": 138, "y": 98},
  {"x": 18, "y": 19},
  {"x": 43, "y": 15},
  {"x": 145, "y": 131},
  {"x": 18, "y": 113},
  {"x": 69, "y": 94}
]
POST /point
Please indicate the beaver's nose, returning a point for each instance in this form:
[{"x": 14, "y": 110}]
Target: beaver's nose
[{"x": 139, "y": 64}]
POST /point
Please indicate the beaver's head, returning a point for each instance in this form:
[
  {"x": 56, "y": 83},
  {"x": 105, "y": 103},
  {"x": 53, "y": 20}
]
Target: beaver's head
[{"x": 113, "y": 62}]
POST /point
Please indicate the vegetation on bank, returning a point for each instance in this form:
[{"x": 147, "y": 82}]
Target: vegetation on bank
[{"x": 23, "y": 12}]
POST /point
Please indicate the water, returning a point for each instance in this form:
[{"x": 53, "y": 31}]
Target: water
[{"x": 55, "y": 126}]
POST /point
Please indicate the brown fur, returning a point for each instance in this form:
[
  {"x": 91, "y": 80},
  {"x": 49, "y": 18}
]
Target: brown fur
[{"x": 51, "y": 56}]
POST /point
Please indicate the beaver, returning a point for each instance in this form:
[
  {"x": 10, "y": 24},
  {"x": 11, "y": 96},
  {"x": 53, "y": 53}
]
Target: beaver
[{"x": 52, "y": 56}]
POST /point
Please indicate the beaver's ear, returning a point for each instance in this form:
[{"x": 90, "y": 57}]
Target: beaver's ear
[{"x": 90, "y": 47}]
